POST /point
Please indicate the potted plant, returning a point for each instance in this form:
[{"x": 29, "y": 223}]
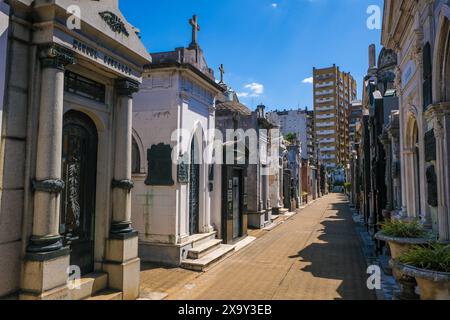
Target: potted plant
[
  {"x": 430, "y": 266},
  {"x": 348, "y": 187},
  {"x": 305, "y": 197},
  {"x": 401, "y": 236}
]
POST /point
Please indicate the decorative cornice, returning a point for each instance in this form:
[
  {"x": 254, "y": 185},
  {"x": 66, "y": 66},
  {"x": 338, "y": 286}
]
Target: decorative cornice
[
  {"x": 55, "y": 56},
  {"x": 122, "y": 184},
  {"x": 114, "y": 22},
  {"x": 49, "y": 186},
  {"x": 126, "y": 87}
]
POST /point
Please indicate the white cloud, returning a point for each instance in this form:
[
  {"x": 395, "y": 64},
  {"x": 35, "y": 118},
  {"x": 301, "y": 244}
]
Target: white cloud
[
  {"x": 256, "y": 89},
  {"x": 308, "y": 80},
  {"x": 274, "y": 5},
  {"x": 252, "y": 90}
]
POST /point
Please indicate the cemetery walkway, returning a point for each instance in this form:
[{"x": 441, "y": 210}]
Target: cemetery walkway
[{"x": 316, "y": 255}]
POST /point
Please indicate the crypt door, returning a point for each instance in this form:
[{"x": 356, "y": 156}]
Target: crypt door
[
  {"x": 194, "y": 190},
  {"x": 79, "y": 163},
  {"x": 237, "y": 206}
]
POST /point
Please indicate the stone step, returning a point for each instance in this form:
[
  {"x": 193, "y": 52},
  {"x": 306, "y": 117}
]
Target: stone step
[
  {"x": 199, "y": 239},
  {"x": 275, "y": 218},
  {"x": 106, "y": 295},
  {"x": 88, "y": 286},
  {"x": 207, "y": 261},
  {"x": 203, "y": 249}
]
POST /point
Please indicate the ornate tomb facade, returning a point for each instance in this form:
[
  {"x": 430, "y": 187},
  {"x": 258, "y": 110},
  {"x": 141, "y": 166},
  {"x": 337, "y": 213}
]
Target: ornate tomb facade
[
  {"x": 174, "y": 122},
  {"x": 66, "y": 151}
]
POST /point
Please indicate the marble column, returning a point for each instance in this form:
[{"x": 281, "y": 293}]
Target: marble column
[
  {"x": 410, "y": 184},
  {"x": 46, "y": 260},
  {"x": 121, "y": 259},
  {"x": 122, "y": 183},
  {"x": 48, "y": 183},
  {"x": 437, "y": 113}
]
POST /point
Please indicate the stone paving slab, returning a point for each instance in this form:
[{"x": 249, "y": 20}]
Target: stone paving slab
[{"x": 315, "y": 255}]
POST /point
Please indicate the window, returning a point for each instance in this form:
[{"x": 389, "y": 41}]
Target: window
[
  {"x": 84, "y": 87},
  {"x": 427, "y": 76},
  {"x": 135, "y": 158}
]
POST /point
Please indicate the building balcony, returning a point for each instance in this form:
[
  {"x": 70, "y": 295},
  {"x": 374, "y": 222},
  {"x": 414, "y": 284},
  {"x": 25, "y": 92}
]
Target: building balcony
[
  {"x": 325, "y": 100},
  {"x": 326, "y": 124},
  {"x": 326, "y": 132},
  {"x": 326, "y": 108},
  {"x": 325, "y": 116}
]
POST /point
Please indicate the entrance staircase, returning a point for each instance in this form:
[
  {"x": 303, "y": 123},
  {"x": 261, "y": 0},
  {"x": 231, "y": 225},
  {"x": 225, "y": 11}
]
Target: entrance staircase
[
  {"x": 205, "y": 252},
  {"x": 93, "y": 287}
]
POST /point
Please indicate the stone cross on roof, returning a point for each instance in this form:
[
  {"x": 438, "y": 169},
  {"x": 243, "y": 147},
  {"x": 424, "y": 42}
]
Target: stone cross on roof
[
  {"x": 195, "y": 29},
  {"x": 222, "y": 72}
]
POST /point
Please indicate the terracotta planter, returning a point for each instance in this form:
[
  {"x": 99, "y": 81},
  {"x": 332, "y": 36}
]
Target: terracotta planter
[{"x": 433, "y": 285}]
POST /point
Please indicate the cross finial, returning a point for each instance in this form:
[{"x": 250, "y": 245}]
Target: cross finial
[
  {"x": 222, "y": 72},
  {"x": 195, "y": 29}
]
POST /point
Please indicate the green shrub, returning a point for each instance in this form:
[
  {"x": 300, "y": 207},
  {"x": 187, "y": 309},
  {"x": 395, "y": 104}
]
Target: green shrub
[
  {"x": 348, "y": 186},
  {"x": 402, "y": 229},
  {"x": 434, "y": 258}
]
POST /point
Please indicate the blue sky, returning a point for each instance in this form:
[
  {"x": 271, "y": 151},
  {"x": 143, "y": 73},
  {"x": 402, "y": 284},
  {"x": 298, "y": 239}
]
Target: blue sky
[{"x": 268, "y": 47}]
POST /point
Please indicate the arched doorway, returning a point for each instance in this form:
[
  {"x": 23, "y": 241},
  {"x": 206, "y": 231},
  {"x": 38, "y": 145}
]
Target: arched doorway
[
  {"x": 194, "y": 188},
  {"x": 412, "y": 161},
  {"x": 79, "y": 171}
]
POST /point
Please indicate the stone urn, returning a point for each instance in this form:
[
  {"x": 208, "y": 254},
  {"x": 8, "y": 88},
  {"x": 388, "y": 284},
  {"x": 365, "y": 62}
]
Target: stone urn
[
  {"x": 433, "y": 285},
  {"x": 399, "y": 246}
]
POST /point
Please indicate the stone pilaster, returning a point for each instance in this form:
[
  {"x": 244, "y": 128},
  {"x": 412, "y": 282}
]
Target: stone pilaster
[
  {"x": 47, "y": 259},
  {"x": 122, "y": 262},
  {"x": 437, "y": 114}
]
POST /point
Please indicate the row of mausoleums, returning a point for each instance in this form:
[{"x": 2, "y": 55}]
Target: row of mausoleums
[
  {"x": 401, "y": 166},
  {"x": 111, "y": 156}
]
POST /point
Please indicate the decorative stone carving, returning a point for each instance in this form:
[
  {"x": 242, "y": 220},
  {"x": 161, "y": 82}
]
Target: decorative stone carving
[
  {"x": 49, "y": 186},
  {"x": 159, "y": 159},
  {"x": 114, "y": 22},
  {"x": 123, "y": 184},
  {"x": 55, "y": 56},
  {"x": 126, "y": 87}
]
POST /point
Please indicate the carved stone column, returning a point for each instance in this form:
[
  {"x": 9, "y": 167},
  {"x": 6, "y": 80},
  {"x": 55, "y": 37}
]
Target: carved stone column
[
  {"x": 437, "y": 114},
  {"x": 45, "y": 250},
  {"x": 122, "y": 263},
  {"x": 410, "y": 184},
  {"x": 394, "y": 136},
  {"x": 122, "y": 183}
]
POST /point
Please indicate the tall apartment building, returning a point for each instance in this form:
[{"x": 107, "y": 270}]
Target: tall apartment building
[
  {"x": 297, "y": 122},
  {"x": 334, "y": 91}
]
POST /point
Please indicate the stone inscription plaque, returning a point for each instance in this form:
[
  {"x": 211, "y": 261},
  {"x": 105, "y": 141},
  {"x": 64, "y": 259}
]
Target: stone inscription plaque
[{"x": 159, "y": 159}]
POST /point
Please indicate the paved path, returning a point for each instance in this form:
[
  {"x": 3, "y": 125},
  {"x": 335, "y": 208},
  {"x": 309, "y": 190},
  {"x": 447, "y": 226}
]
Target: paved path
[{"x": 314, "y": 256}]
